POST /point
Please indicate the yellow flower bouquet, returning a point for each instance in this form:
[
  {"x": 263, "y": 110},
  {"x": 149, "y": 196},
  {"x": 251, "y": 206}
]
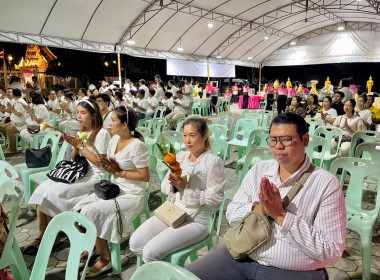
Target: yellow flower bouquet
[
  {"x": 44, "y": 126},
  {"x": 170, "y": 160},
  {"x": 84, "y": 137}
]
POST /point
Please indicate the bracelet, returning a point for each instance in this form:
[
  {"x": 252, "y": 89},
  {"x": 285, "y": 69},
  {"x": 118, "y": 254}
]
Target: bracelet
[{"x": 81, "y": 147}]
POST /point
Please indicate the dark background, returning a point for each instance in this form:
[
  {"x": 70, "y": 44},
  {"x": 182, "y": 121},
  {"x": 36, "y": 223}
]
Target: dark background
[{"x": 90, "y": 66}]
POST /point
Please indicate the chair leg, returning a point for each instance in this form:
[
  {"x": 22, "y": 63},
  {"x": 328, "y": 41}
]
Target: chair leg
[
  {"x": 19, "y": 269},
  {"x": 137, "y": 222},
  {"x": 115, "y": 258},
  {"x": 193, "y": 257},
  {"x": 210, "y": 245},
  {"x": 365, "y": 244},
  {"x": 237, "y": 170},
  {"x": 29, "y": 192},
  {"x": 139, "y": 262},
  {"x": 220, "y": 218}
]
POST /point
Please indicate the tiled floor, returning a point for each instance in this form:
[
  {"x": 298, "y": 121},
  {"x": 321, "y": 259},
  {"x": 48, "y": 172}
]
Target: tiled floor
[{"x": 349, "y": 267}]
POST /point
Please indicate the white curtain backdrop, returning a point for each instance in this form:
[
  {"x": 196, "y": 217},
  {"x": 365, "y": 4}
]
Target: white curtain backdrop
[
  {"x": 336, "y": 47},
  {"x": 192, "y": 68}
]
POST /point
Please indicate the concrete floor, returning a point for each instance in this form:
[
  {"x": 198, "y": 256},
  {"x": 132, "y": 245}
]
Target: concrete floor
[{"x": 349, "y": 267}]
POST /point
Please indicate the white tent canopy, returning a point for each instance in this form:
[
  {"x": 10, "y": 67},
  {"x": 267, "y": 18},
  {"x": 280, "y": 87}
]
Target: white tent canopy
[{"x": 240, "y": 32}]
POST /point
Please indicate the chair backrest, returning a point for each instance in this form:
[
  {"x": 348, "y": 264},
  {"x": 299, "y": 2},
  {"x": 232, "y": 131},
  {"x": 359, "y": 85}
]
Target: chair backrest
[
  {"x": 67, "y": 222},
  {"x": 258, "y": 138},
  {"x": 172, "y": 137},
  {"x": 157, "y": 125},
  {"x": 359, "y": 170},
  {"x": 159, "y": 112},
  {"x": 263, "y": 153},
  {"x": 163, "y": 271},
  {"x": 244, "y": 127},
  {"x": 371, "y": 149},
  {"x": 62, "y": 151},
  {"x": 218, "y": 131},
  {"x": 53, "y": 137},
  {"x": 315, "y": 143},
  {"x": 313, "y": 124},
  {"x": 226, "y": 114},
  {"x": 179, "y": 125},
  {"x": 219, "y": 148},
  {"x": 15, "y": 190},
  {"x": 145, "y": 132},
  {"x": 365, "y": 136},
  {"x": 254, "y": 116},
  {"x": 267, "y": 117},
  {"x": 329, "y": 133},
  {"x": 225, "y": 120},
  {"x": 2, "y": 157},
  {"x": 53, "y": 118}
]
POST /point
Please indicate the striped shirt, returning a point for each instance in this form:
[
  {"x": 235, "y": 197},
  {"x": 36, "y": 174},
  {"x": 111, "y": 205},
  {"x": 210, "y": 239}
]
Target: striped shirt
[{"x": 313, "y": 232}]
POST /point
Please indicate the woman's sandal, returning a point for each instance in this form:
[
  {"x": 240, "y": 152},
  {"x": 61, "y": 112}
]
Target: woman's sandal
[{"x": 32, "y": 250}]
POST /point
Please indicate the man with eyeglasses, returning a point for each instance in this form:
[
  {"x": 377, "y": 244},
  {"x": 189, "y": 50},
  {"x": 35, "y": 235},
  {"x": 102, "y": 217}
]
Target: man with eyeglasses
[{"x": 306, "y": 236}]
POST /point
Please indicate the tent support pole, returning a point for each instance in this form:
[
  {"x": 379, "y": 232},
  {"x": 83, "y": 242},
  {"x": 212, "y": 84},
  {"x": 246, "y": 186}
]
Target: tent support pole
[{"x": 119, "y": 67}]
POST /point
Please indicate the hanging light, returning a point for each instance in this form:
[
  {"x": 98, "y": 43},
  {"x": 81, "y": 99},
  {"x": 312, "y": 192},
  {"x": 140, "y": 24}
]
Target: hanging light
[
  {"x": 250, "y": 57},
  {"x": 341, "y": 27},
  {"x": 266, "y": 38},
  {"x": 130, "y": 42},
  {"x": 180, "y": 49},
  {"x": 218, "y": 56},
  {"x": 210, "y": 25},
  {"x": 293, "y": 43}
]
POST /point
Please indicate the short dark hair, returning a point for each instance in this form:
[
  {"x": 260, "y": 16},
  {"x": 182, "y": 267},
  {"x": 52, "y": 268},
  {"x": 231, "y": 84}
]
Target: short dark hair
[
  {"x": 328, "y": 97},
  {"x": 171, "y": 82},
  {"x": 158, "y": 76},
  {"x": 141, "y": 91},
  {"x": 106, "y": 98},
  {"x": 341, "y": 93},
  {"x": 168, "y": 94},
  {"x": 152, "y": 92},
  {"x": 17, "y": 92},
  {"x": 188, "y": 79},
  {"x": 299, "y": 122},
  {"x": 179, "y": 91},
  {"x": 346, "y": 82},
  {"x": 37, "y": 99},
  {"x": 119, "y": 95},
  {"x": 162, "y": 84},
  {"x": 142, "y": 81}
]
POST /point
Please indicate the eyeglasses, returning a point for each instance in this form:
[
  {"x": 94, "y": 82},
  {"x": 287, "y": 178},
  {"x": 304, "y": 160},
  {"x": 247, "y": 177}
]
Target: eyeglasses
[{"x": 285, "y": 141}]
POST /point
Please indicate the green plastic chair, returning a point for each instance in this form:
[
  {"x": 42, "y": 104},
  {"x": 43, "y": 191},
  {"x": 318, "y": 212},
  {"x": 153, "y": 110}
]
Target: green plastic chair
[
  {"x": 67, "y": 222},
  {"x": 156, "y": 126},
  {"x": 53, "y": 118},
  {"x": 366, "y": 136},
  {"x": 314, "y": 143},
  {"x": 11, "y": 255},
  {"x": 329, "y": 133},
  {"x": 145, "y": 132},
  {"x": 219, "y": 148},
  {"x": 25, "y": 172},
  {"x": 179, "y": 125},
  {"x": 267, "y": 117},
  {"x": 243, "y": 129},
  {"x": 228, "y": 103},
  {"x": 159, "y": 270},
  {"x": 360, "y": 220},
  {"x": 369, "y": 151},
  {"x": 179, "y": 257},
  {"x": 197, "y": 108},
  {"x": 262, "y": 153},
  {"x": 257, "y": 138},
  {"x": 40, "y": 177},
  {"x": 313, "y": 124},
  {"x": 159, "y": 112},
  {"x": 205, "y": 106},
  {"x": 218, "y": 131},
  {"x": 219, "y": 104}
]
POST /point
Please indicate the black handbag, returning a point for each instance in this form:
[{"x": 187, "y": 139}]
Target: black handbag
[
  {"x": 38, "y": 157},
  {"x": 69, "y": 171},
  {"x": 106, "y": 190},
  {"x": 33, "y": 129}
]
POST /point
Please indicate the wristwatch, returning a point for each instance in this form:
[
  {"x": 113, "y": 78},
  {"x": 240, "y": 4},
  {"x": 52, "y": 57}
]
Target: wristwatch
[{"x": 81, "y": 148}]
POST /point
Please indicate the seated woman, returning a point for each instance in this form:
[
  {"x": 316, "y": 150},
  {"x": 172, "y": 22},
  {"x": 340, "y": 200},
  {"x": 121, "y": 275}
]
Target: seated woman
[
  {"x": 296, "y": 107},
  {"x": 17, "y": 118},
  {"x": 128, "y": 163},
  {"x": 328, "y": 114},
  {"x": 167, "y": 101},
  {"x": 227, "y": 95},
  {"x": 52, "y": 198},
  {"x": 69, "y": 108},
  {"x": 364, "y": 114},
  {"x": 349, "y": 123},
  {"x": 38, "y": 113},
  {"x": 312, "y": 106},
  {"x": 200, "y": 192}
]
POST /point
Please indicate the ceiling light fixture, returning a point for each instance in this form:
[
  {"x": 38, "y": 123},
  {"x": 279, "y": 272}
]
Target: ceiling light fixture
[
  {"x": 340, "y": 28},
  {"x": 266, "y": 38},
  {"x": 130, "y": 42},
  {"x": 210, "y": 25},
  {"x": 293, "y": 43},
  {"x": 250, "y": 57},
  {"x": 180, "y": 49},
  {"x": 218, "y": 56}
]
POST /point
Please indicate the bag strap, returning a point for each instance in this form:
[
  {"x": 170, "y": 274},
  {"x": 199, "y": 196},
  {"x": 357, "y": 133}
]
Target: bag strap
[{"x": 297, "y": 186}]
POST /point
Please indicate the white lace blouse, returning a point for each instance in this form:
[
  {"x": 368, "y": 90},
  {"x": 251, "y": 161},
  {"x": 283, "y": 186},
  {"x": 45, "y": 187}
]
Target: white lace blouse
[{"x": 205, "y": 187}]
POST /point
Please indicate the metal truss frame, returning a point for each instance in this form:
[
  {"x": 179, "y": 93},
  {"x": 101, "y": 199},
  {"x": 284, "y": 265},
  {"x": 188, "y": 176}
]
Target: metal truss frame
[
  {"x": 375, "y": 4},
  {"x": 325, "y": 30},
  {"x": 56, "y": 42}
]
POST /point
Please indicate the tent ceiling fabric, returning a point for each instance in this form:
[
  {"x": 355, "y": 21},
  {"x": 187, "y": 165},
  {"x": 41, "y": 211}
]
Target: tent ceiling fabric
[{"x": 160, "y": 27}]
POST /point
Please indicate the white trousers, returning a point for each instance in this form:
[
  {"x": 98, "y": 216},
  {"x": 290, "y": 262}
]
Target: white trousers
[
  {"x": 344, "y": 148},
  {"x": 29, "y": 137},
  {"x": 154, "y": 240},
  {"x": 173, "y": 118}
]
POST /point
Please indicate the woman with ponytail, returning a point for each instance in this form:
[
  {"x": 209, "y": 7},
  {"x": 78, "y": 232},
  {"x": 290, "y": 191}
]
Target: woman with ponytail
[
  {"x": 128, "y": 163},
  {"x": 51, "y": 198}
]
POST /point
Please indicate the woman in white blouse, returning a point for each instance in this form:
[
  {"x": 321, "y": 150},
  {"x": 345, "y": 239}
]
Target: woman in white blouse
[
  {"x": 38, "y": 113},
  {"x": 128, "y": 163},
  {"x": 364, "y": 114},
  {"x": 52, "y": 198},
  {"x": 200, "y": 192},
  {"x": 69, "y": 108},
  {"x": 349, "y": 123}
]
